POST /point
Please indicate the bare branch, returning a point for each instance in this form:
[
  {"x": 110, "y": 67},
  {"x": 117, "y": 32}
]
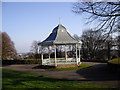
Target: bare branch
[{"x": 105, "y": 13}]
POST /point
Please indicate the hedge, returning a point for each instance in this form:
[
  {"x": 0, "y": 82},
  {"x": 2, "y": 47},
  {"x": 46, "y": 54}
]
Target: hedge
[
  {"x": 101, "y": 61},
  {"x": 9, "y": 62}
]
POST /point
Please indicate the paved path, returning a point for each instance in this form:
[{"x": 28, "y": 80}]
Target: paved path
[{"x": 98, "y": 73}]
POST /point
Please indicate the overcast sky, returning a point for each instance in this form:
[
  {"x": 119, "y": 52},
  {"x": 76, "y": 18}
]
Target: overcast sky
[{"x": 28, "y": 21}]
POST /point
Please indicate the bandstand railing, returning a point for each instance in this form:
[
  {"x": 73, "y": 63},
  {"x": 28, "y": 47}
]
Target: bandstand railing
[{"x": 59, "y": 61}]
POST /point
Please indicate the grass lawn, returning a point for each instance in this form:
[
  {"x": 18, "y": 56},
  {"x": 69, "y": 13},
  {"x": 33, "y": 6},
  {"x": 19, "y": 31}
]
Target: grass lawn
[{"x": 16, "y": 79}]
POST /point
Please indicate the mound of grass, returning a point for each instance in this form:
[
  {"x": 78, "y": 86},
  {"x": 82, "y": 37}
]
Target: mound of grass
[
  {"x": 70, "y": 68},
  {"x": 115, "y": 61},
  {"x": 21, "y": 80},
  {"x": 52, "y": 68}
]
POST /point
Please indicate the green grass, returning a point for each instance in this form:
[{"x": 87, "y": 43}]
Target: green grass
[
  {"x": 16, "y": 79},
  {"x": 115, "y": 61},
  {"x": 70, "y": 68}
]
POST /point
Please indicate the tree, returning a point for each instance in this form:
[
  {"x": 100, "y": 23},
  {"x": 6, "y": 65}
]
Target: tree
[
  {"x": 8, "y": 48},
  {"x": 0, "y": 46},
  {"x": 94, "y": 46},
  {"x": 108, "y": 45},
  {"x": 118, "y": 45},
  {"x": 34, "y": 47},
  {"x": 90, "y": 44},
  {"x": 34, "y": 50},
  {"x": 107, "y": 14},
  {"x": 76, "y": 37}
]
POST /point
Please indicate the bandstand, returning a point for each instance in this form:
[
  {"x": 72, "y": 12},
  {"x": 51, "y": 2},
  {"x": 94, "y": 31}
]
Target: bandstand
[{"x": 60, "y": 37}]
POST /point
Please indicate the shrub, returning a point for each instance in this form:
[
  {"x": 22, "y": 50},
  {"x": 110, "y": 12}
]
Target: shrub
[{"x": 114, "y": 61}]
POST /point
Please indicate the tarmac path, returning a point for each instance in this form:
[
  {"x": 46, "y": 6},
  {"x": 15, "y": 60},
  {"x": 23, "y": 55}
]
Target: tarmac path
[{"x": 98, "y": 73}]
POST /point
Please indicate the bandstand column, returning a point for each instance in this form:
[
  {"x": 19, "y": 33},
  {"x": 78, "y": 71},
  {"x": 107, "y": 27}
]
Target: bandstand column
[
  {"x": 65, "y": 47},
  {"x": 79, "y": 53},
  {"x": 55, "y": 55},
  {"x": 49, "y": 52},
  {"x": 42, "y": 55},
  {"x": 38, "y": 50},
  {"x": 76, "y": 55}
]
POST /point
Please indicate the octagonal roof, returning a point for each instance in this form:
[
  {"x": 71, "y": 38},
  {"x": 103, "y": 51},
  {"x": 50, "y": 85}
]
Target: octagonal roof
[{"x": 59, "y": 36}]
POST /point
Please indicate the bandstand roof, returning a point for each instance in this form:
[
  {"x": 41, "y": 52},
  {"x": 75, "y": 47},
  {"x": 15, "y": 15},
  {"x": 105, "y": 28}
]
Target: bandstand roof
[{"x": 59, "y": 36}]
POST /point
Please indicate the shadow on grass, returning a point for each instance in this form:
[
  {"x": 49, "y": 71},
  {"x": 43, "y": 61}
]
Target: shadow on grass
[
  {"x": 100, "y": 72},
  {"x": 15, "y": 79}
]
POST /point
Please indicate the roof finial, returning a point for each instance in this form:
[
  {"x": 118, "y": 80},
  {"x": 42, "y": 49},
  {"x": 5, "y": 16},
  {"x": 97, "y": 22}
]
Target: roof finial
[{"x": 59, "y": 20}]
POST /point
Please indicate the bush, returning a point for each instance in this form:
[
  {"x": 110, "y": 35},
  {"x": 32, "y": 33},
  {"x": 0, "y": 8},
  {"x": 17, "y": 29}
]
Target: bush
[
  {"x": 28, "y": 61},
  {"x": 114, "y": 61}
]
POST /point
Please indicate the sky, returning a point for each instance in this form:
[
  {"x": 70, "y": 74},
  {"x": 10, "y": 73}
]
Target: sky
[{"x": 28, "y": 21}]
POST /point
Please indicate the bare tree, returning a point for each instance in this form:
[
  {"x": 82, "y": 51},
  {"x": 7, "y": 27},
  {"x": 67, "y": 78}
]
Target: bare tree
[
  {"x": 8, "y": 48},
  {"x": 34, "y": 47},
  {"x": 107, "y": 14},
  {"x": 76, "y": 37},
  {"x": 118, "y": 45},
  {"x": 34, "y": 50},
  {"x": 94, "y": 46}
]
